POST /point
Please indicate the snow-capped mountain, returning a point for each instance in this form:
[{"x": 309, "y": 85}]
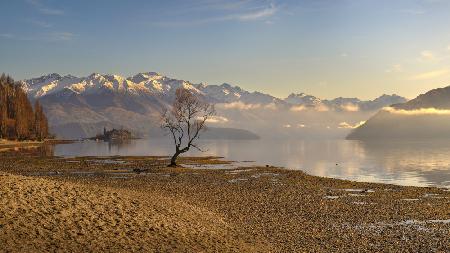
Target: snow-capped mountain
[
  {"x": 227, "y": 93},
  {"x": 151, "y": 83},
  {"x": 92, "y": 84},
  {"x": 140, "y": 84},
  {"x": 303, "y": 99},
  {"x": 79, "y": 106}
]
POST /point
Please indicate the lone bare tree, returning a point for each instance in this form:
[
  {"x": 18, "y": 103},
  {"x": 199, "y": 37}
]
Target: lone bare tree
[{"x": 185, "y": 120}]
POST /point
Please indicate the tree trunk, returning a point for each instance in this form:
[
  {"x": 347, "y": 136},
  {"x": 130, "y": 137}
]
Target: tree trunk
[{"x": 173, "y": 160}]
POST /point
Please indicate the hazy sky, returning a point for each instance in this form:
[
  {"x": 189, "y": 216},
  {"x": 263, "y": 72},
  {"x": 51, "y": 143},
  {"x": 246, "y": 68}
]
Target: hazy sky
[{"x": 327, "y": 48}]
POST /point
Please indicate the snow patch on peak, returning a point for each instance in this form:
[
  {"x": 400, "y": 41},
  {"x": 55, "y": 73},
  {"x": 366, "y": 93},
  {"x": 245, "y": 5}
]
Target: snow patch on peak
[
  {"x": 201, "y": 86},
  {"x": 44, "y": 79},
  {"x": 302, "y": 99},
  {"x": 146, "y": 76}
]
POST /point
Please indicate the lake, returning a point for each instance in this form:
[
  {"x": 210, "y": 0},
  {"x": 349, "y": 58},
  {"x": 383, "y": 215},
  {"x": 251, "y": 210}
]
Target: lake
[{"x": 414, "y": 163}]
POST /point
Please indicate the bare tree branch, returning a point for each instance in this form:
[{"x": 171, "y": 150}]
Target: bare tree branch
[{"x": 185, "y": 120}]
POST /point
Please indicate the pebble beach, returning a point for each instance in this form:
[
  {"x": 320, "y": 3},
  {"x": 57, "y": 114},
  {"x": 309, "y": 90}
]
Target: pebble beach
[{"x": 136, "y": 204}]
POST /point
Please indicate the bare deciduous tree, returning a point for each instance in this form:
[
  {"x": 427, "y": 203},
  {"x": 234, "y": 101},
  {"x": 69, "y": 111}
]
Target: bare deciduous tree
[{"x": 185, "y": 121}]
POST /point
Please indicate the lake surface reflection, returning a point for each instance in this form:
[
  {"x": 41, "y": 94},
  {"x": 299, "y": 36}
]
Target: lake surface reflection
[{"x": 416, "y": 163}]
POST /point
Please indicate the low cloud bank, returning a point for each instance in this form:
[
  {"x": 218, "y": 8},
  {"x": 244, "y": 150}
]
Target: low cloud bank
[
  {"x": 281, "y": 121},
  {"x": 345, "y": 125},
  {"x": 421, "y": 111}
]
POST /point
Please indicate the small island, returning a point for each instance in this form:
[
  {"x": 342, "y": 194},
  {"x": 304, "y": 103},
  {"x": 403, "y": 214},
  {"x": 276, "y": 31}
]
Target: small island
[{"x": 114, "y": 135}]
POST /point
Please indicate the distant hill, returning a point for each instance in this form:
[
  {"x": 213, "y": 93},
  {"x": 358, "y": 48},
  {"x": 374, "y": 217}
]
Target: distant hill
[
  {"x": 427, "y": 116},
  {"x": 78, "y": 107},
  {"x": 229, "y": 134},
  {"x": 437, "y": 98}
]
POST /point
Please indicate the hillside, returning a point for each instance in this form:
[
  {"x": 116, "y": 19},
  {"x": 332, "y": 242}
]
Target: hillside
[{"x": 425, "y": 117}]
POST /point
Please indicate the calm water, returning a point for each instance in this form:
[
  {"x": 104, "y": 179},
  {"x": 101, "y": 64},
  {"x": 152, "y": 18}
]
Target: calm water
[{"x": 417, "y": 163}]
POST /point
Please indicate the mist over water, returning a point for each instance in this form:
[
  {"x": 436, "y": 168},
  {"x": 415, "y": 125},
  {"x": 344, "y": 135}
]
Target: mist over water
[
  {"x": 402, "y": 162},
  {"x": 303, "y": 123}
]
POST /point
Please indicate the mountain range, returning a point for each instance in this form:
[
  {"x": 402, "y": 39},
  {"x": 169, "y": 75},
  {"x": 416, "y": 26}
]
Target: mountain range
[
  {"x": 424, "y": 117},
  {"x": 81, "y": 106}
]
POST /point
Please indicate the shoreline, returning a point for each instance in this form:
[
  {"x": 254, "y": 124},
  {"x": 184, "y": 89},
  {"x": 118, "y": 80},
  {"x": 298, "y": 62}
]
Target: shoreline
[
  {"x": 193, "y": 162},
  {"x": 6, "y": 145},
  {"x": 16, "y": 143},
  {"x": 421, "y": 172},
  {"x": 249, "y": 209}
]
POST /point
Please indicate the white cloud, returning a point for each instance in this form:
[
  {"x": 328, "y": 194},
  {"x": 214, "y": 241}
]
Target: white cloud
[
  {"x": 44, "y": 9},
  {"x": 318, "y": 108},
  {"x": 427, "y": 55},
  {"x": 297, "y": 108},
  {"x": 239, "y": 105},
  {"x": 217, "y": 120},
  {"x": 322, "y": 108},
  {"x": 260, "y": 14},
  {"x": 350, "y": 107},
  {"x": 294, "y": 126},
  {"x": 422, "y": 111},
  {"x": 345, "y": 125},
  {"x": 253, "y": 13},
  {"x": 271, "y": 106},
  {"x": 430, "y": 75}
]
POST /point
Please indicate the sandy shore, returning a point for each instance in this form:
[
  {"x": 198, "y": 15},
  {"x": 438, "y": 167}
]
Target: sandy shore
[
  {"x": 134, "y": 204},
  {"x": 43, "y": 215}
]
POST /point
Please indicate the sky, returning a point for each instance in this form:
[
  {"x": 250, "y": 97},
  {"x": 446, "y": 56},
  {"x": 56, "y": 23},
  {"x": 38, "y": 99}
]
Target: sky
[{"x": 327, "y": 48}]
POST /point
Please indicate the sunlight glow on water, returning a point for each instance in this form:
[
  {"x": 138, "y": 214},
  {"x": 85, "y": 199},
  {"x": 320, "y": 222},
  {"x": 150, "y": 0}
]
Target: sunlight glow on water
[{"x": 415, "y": 163}]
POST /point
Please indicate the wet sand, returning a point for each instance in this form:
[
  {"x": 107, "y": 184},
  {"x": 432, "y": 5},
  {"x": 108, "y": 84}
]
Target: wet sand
[{"x": 136, "y": 204}]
